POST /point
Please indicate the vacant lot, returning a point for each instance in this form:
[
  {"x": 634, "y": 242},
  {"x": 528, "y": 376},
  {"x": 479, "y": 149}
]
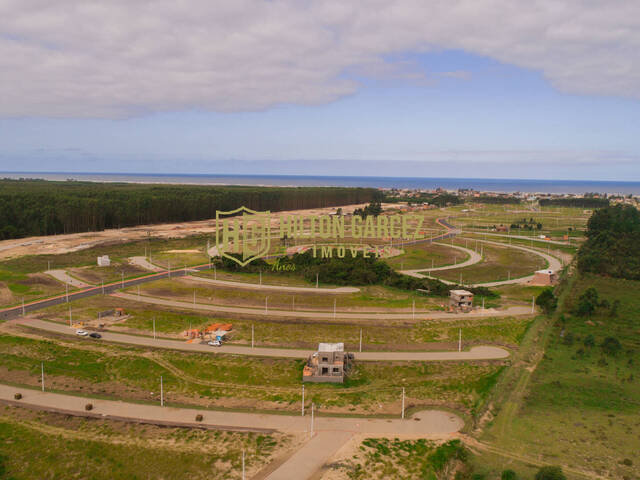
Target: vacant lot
[{"x": 38, "y": 445}]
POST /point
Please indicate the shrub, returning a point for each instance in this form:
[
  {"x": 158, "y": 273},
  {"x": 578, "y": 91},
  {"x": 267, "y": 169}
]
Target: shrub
[
  {"x": 17, "y": 396},
  {"x": 587, "y": 302},
  {"x": 508, "y": 475},
  {"x": 550, "y": 473},
  {"x": 611, "y": 346},
  {"x": 199, "y": 418},
  {"x": 88, "y": 407},
  {"x": 547, "y": 301},
  {"x": 589, "y": 341}
]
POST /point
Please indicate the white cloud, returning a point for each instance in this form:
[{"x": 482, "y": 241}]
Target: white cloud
[{"x": 115, "y": 58}]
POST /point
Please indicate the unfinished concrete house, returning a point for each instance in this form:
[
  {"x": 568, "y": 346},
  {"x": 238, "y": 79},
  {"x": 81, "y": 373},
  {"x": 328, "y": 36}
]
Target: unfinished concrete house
[
  {"x": 329, "y": 364},
  {"x": 544, "y": 277},
  {"x": 460, "y": 300}
]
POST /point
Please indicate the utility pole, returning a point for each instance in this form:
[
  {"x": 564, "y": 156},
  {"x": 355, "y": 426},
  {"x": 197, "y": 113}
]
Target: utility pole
[
  {"x": 293, "y": 303},
  {"x": 260, "y": 277},
  {"x": 403, "y": 403},
  {"x": 138, "y": 292},
  {"x": 103, "y": 287},
  {"x": 533, "y": 304},
  {"x": 194, "y": 296},
  {"x": 48, "y": 264},
  {"x": 460, "y": 340},
  {"x": 360, "y": 340},
  {"x": 215, "y": 273},
  {"x": 70, "y": 319},
  {"x": 161, "y": 393},
  {"x": 169, "y": 269},
  {"x": 154, "y": 328},
  {"x": 122, "y": 279},
  {"x": 302, "y": 405},
  {"x": 316, "y": 280},
  {"x": 243, "y": 477},
  {"x": 334, "y": 307},
  {"x": 312, "y": 414},
  {"x": 413, "y": 309},
  {"x": 252, "y": 335},
  {"x": 266, "y": 308},
  {"x": 42, "y": 375},
  {"x": 23, "y": 306},
  {"x": 66, "y": 289}
]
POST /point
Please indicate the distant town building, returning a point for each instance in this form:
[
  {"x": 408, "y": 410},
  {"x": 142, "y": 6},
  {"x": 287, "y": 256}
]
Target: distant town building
[
  {"x": 329, "y": 364},
  {"x": 544, "y": 277},
  {"x": 461, "y": 300},
  {"x": 104, "y": 261}
]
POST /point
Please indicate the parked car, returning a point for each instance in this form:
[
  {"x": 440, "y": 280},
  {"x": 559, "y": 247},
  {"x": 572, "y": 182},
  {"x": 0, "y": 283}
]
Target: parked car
[
  {"x": 214, "y": 343},
  {"x": 95, "y": 335},
  {"x": 82, "y": 333}
]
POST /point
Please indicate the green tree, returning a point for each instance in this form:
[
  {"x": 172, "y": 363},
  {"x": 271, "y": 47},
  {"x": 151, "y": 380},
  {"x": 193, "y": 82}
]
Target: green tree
[
  {"x": 508, "y": 475},
  {"x": 611, "y": 346},
  {"x": 547, "y": 301},
  {"x": 587, "y": 302},
  {"x": 550, "y": 473}
]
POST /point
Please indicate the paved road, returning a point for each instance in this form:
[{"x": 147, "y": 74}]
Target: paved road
[
  {"x": 521, "y": 237},
  {"x": 475, "y": 353},
  {"x": 479, "y": 313},
  {"x": 280, "y": 288},
  {"x": 64, "y": 277}
]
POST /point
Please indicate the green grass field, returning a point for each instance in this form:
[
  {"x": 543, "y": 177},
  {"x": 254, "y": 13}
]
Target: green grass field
[{"x": 580, "y": 406}]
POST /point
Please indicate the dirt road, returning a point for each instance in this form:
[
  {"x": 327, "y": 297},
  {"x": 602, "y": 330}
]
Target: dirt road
[
  {"x": 279, "y": 288},
  {"x": 475, "y": 353},
  {"x": 479, "y": 313}
]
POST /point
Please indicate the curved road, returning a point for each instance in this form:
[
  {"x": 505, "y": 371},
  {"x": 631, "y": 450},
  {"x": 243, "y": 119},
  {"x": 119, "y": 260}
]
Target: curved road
[
  {"x": 474, "y": 258},
  {"x": 475, "y": 353},
  {"x": 510, "y": 311}
]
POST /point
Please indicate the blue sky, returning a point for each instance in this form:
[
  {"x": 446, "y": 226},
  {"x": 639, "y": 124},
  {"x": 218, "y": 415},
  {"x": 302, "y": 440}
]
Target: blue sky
[{"x": 410, "y": 110}]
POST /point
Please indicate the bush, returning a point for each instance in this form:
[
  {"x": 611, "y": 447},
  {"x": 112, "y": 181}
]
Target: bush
[
  {"x": 88, "y": 407},
  {"x": 199, "y": 418},
  {"x": 587, "y": 302},
  {"x": 17, "y": 396},
  {"x": 611, "y": 346},
  {"x": 547, "y": 301},
  {"x": 550, "y": 473},
  {"x": 508, "y": 475},
  {"x": 589, "y": 341}
]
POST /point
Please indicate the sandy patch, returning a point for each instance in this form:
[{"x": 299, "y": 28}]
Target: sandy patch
[{"x": 182, "y": 251}]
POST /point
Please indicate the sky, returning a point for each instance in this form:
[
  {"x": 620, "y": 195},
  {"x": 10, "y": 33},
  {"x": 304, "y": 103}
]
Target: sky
[{"x": 471, "y": 88}]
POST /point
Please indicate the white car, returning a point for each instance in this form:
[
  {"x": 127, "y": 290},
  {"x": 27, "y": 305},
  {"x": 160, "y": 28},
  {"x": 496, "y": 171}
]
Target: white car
[
  {"x": 82, "y": 333},
  {"x": 214, "y": 343}
]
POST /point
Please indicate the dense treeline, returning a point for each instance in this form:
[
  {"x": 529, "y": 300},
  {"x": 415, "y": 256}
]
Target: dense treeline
[
  {"x": 360, "y": 270},
  {"x": 38, "y": 207},
  {"x": 613, "y": 243},
  {"x": 437, "y": 199},
  {"x": 585, "y": 202}
]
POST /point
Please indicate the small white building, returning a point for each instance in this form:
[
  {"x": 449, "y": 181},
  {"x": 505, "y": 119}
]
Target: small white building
[{"x": 104, "y": 261}]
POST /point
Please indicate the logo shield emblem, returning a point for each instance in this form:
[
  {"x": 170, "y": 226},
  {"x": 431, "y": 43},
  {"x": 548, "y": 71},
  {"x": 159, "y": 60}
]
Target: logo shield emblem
[{"x": 242, "y": 235}]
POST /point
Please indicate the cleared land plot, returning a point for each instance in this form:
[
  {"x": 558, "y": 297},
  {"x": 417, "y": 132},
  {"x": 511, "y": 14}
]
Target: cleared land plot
[
  {"x": 37, "y": 445},
  {"x": 16, "y": 286},
  {"x": 240, "y": 382},
  {"x": 499, "y": 263},
  {"x": 370, "y": 298},
  {"x": 426, "y": 255}
]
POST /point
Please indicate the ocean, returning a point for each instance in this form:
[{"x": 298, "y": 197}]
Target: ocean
[{"x": 481, "y": 184}]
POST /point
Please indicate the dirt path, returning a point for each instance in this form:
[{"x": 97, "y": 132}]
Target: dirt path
[
  {"x": 475, "y": 353},
  {"x": 64, "y": 277},
  {"x": 281, "y": 288},
  {"x": 479, "y": 313}
]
